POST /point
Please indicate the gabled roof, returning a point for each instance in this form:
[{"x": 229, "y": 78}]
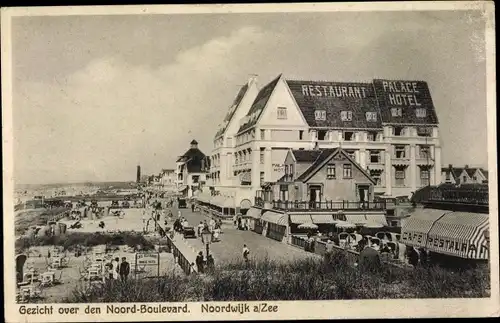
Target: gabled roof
[
  {"x": 389, "y": 92},
  {"x": 258, "y": 104},
  {"x": 470, "y": 171},
  {"x": 232, "y": 110},
  {"x": 306, "y": 156},
  {"x": 325, "y": 156},
  {"x": 190, "y": 154},
  {"x": 335, "y": 97}
]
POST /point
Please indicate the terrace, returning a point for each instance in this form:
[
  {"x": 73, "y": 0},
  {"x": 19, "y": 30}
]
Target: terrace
[{"x": 298, "y": 206}]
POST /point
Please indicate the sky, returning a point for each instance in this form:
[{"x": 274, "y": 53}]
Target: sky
[{"x": 93, "y": 96}]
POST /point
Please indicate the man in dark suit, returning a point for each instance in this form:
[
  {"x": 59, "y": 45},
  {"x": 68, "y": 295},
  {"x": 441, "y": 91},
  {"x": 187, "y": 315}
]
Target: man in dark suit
[
  {"x": 124, "y": 269},
  {"x": 369, "y": 259}
]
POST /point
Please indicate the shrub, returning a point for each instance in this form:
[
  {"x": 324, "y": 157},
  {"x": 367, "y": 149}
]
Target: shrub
[{"x": 334, "y": 277}]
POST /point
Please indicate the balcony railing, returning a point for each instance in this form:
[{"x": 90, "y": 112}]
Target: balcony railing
[{"x": 322, "y": 206}]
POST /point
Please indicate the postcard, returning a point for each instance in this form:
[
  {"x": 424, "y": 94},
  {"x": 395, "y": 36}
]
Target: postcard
[{"x": 249, "y": 162}]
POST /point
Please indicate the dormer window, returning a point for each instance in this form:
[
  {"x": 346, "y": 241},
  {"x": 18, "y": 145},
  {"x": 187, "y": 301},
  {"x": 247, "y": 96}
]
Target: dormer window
[
  {"x": 424, "y": 131},
  {"x": 322, "y": 134},
  {"x": 346, "y": 115},
  {"x": 371, "y": 116},
  {"x": 421, "y": 113},
  {"x": 396, "y": 112},
  {"x": 398, "y": 131},
  {"x": 320, "y": 115},
  {"x": 372, "y": 136},
  {"x": 348, "y": 136}
]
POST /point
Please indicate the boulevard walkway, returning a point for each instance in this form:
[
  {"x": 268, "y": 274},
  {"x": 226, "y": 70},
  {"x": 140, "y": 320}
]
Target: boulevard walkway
[{"x": 230, "y": 248}]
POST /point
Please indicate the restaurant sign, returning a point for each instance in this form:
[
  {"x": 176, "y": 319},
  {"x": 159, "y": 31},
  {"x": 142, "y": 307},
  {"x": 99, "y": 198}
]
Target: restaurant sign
[{"x": 446, "y": 245}]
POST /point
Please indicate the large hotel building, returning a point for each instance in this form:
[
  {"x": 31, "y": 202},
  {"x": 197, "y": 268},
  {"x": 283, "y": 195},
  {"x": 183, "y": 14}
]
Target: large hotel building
[{"x": 389, "y": 127}]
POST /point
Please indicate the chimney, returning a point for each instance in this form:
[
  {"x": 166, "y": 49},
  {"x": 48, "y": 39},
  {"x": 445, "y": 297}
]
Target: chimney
[
  {"x": 450, "y": 166},
  {"x": 466, "y": 166},
  {"x": 316, "y": 146},
  {"x": 194, "y": 144}
]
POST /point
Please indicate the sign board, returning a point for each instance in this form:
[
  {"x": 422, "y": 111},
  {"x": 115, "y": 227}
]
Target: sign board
[{"x": 148, "y": 259}]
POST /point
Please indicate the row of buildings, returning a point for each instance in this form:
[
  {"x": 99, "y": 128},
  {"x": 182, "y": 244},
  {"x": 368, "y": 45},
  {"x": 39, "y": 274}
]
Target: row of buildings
[{"x": 388, "y": 129}]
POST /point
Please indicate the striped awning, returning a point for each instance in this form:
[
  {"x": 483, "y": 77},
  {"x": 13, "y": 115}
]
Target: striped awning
[
  {"x": 254, "y": 213},
  {"x": 275, "y": 217},
  {"x": 356, "y": 218},
  {"x": 182, "y": 188},
  {"x": 322, "y": 218},
  {"x": 460, "y": 234},
  {"x": 415, "y": 229},
  {"x": 372, "y": 219},
  {"x": 300, "y": 218}
]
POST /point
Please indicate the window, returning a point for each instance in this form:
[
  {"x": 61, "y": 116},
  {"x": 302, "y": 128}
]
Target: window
[
  {"x": 394, "y": 223},
  {"x": 320, "y": 115},
  {"x": 424, "y": 152},
  {"x": 424, "y": 177},
  {"x": 448, "y": 176},
  {"x": 474, "y": 178},
  {"x": 321, "y": 134},
  {"x": 374, "y": 156},
  {"x": 262, "y": 155},
  {"x": 301, "y": 134},
  {"x": 400, "y": 151},
  {"x": 330, "y": 172},
  {"x": 400, "y": 177},
  {"x": 346, "y": 115},
  {"x": 398, "y": 131},
  {"x": 376, "y": 175},
  {"x": 196, "y": 178},
  {"x": 291, "y": 173},
  {"x": 371, "y": 116},
  {"x": 348, "y": 136},
  {"x": 396, "y": 112},
  {"x": 421, "y": 113},
  {"x": 424, "y": 131},
  {"x": 261, "y": 178},
  {"x": 281, "y": 113},
  {"x": 286, "y": 170},
  {"x": 262, "y": 134},
  {"x": 347, "y": 171},
  {"x": 372, "y": 136},
  {"x": 465, "y": 179}
]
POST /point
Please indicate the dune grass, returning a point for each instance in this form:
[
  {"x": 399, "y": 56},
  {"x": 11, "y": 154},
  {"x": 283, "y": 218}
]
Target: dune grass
[{"x": 329, "y": 278}]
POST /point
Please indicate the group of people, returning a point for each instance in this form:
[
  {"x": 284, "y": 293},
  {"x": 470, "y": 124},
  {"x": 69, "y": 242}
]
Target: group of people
[
  {"x": 204, "y": 265},
  {"x": 117, "y": 270},
  {"x": 240, "y": 222}
]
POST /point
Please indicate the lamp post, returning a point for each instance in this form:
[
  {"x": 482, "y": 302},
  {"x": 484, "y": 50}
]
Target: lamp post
[{"x": 206, "y": 237}]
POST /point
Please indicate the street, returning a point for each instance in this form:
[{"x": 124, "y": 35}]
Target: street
[{"x": 230, "y": 248}]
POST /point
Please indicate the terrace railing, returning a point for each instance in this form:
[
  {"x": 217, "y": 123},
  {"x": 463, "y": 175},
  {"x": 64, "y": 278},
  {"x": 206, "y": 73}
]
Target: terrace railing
[{"x": 327, "y": 205}]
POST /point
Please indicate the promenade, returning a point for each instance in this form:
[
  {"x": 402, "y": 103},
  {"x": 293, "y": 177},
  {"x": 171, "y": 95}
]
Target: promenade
[{"x": 230, "y": 248}]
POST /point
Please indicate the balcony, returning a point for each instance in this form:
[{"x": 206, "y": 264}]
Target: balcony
[{"x": 297, "y": 206}]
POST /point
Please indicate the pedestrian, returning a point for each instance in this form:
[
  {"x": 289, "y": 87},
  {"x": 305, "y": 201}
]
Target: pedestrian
[
  {"x": 246, "y": 253},
  {"x": 109, "y": 267},
  {"x": 116, "y": 264},
  {"x": 200, "y": 228},
  {"x": 124, "y": 269},
  {"x": 200, "y": 262},
  {"x": 369, "y": 259},
  {"x": 192, "y": 207},
  {"x": 210, "y": 263}
]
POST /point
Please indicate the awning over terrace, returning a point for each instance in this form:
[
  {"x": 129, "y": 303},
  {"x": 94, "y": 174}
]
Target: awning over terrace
[
  {"x": 182, "y": 188},
  {"x": 460, "y": 234},
  {"x": 322, "y": 219},
  {"x": 415, "y": 229},
  {"x": 254, "y": 213},
  {"x": 275, "y": 217},
  {"x": 300, "y": 218}
]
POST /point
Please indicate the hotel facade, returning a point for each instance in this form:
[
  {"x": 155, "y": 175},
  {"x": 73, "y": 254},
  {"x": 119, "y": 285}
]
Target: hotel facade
[{"x": 388, "y": 127}]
